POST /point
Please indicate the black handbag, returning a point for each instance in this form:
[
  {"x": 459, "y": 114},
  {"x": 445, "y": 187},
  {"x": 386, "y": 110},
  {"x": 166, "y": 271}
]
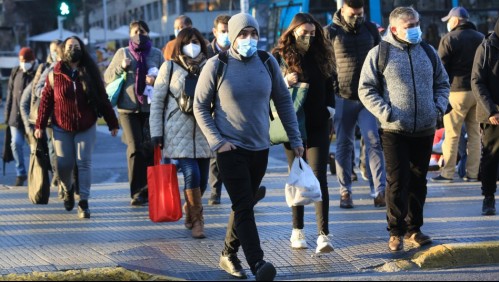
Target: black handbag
[{"x": 38, "y": 175}]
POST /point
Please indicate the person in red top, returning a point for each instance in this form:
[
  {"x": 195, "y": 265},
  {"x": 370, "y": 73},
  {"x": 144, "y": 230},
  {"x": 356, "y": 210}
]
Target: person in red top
[{"x": 74, "y": 97}]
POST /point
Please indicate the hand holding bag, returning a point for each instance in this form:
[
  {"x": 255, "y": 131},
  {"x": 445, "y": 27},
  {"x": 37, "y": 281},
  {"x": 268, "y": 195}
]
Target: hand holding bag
[
  {"x": 164, "y": 196},
  {"x": 302, "y": 187},
  {"x": 114, "y": 88},
  {"x": 277, "y": 132}
]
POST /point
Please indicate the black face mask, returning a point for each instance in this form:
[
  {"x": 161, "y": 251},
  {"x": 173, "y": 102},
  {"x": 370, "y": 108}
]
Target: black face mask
[
  {"x": 354, "y": 22},
  {"x": 303, "y": 42},
  {"x": 74, "y": 55},
  {"x": 140, "y": 39}
]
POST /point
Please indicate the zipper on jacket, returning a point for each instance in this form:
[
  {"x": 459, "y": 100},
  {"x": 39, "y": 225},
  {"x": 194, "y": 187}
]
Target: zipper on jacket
[
  {"x": 76, "y": 104},
  {"x": 414, "y": 86}
]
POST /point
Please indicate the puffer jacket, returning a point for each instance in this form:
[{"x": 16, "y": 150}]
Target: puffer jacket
[
  {"x": 350, "y": 48},
  {"x": 413, "y": 94},
  {"x": 127, "y": 102},
  {"x": 485, "y": 77},
  {"x": 182, "y": 137}
]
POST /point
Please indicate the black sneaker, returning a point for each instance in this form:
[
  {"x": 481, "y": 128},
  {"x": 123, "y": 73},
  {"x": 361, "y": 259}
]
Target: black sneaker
[
  {"x": 69, "y": 200},
  {"x": 489, "y": 205},
  {"x": 441, "y": 179},
  {"x": 260, "y": 194},
  {"x": 354, "y": 176},
  {"x": 139, "y": 201},
  {"x": 83, "y": 211},
  {"x": 264, "y": 271},
  {"x": 232, "y": 265},
  {"x": 214, "y": 200},
  {"x": 418, "y": 238}
]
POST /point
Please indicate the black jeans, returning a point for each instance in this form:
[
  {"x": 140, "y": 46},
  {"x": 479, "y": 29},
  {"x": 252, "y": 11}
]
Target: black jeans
[
  {"x": 317, "y": 156},
  {"x": 242, "y": 172},
  {"x": 490, "y": 158},
  {"x": 407, "y": 160},
  {"x": 215, "y": 179},
  {"x": 139, "y": 149}
]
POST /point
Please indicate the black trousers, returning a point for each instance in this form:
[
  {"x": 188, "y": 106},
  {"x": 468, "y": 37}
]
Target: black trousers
[
  {"x": 490, "y": 158},
  {"x": 139, "y": 149},
  {"x": 214, "y": 179},
  {"x": 407, "y": 160},
  {"x": 317, "y": 156},
  {"x": 242, "y": 172}
]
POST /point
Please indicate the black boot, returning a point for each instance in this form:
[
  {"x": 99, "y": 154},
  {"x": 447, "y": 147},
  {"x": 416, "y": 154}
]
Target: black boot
[
  {"x": 83, "y": 211},
  {"x": 489, "y": 205},
  {"x": 20, "y": 180},
  {"x": 69, "y": 200}
]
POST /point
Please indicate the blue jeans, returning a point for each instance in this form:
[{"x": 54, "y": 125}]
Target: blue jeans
[
  {"x": 348, "y": 114},
  {"x": 195, "y": 173},
  {"x": 17, "y": 144}
]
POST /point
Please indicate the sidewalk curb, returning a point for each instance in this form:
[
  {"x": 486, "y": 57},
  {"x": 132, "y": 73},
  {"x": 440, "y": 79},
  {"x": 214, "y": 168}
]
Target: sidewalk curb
[
  {"x": 459, "y": 254},
  {"x": 92, "y": 274},
  {"x": 448, "y": 256}
]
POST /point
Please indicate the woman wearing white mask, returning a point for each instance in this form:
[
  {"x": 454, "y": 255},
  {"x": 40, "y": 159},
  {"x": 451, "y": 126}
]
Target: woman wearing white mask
[
  {"x": 135, "y": 60},
  {"x": 175, "y": 129}
]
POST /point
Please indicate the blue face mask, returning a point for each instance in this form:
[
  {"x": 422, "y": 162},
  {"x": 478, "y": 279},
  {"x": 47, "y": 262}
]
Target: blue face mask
[
  {"x": 246, "y": 47},
  {"x": 413, "y": 35},
  {"x": 223, "y": 40}
]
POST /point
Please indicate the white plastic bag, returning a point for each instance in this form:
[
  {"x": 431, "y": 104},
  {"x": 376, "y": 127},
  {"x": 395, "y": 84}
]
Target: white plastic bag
[{"x": 302, "y": 187}]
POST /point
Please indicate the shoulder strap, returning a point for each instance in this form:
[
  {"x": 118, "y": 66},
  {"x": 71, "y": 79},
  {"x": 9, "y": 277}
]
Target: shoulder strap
[
  {"x": 383, "y": 50},
  {"x": 170, "y": 78},
  {"x": 223, "y": 60},
  {"x": 332, "y": 32},
  {"x": 51, "y": 78},
  {"x": 431, "y": 54},
  {"x": 265, "y": 57}
]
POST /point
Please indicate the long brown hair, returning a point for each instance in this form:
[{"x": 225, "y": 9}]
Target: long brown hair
[{"x": 320, "y": 48}]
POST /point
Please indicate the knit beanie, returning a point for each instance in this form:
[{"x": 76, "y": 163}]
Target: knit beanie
[
  {"x": 238, "y": 22},
  {"x": 27, "y": 54}
]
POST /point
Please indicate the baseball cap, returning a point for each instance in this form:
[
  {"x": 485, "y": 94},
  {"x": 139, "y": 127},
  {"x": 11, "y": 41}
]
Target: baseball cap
[{"x": 459, "y": 12}]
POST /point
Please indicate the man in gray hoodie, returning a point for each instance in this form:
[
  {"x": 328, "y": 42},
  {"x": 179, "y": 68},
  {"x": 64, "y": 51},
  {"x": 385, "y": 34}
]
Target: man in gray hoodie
[
  {"x": 237, "y": 128},
  {"x": 406, "y": 96}
]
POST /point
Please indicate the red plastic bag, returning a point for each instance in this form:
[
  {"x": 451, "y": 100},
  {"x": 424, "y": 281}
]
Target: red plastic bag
[{"x": 164, "y": 196}]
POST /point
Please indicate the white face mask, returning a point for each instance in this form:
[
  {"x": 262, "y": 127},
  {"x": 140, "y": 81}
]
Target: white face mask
[
  {"x": 26, "y": 66},
  {"x": 192, "y": 50},
  {"x": 449, "y": 27}
]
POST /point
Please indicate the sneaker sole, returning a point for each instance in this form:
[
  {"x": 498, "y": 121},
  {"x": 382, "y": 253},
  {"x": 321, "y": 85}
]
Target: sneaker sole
[
  {"x": 324, "y": 250},
  {"x": 427, "y": 242},
  {"x": 266, "y": 273},
  {"x": 241, "y": 276},
  {"x": 299, "y": 246}
]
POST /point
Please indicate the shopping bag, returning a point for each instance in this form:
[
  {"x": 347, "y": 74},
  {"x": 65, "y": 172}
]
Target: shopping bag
[
  {"x": 38, "y": 174},
  {"x": 113, "y": 89},
  {"x": 302, "y": 187},
  {"x": 164, "y": 196},
  {"x": 277, "y": 132}
]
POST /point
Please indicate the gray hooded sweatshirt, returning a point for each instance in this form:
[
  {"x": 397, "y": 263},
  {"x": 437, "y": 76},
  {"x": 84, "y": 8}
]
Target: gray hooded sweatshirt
[{"x": 413, "y": 95}]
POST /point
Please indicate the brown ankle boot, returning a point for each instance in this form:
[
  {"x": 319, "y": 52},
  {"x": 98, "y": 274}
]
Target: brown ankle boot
[
  {"x": 196, "y": 212},
  {"x": 187, "y": 213}
]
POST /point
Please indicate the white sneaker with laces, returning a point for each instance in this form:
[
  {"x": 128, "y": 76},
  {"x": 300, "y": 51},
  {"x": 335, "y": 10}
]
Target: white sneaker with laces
[
  {"x": 323, "y": 244},
  {"x": 298, "y": 240}
]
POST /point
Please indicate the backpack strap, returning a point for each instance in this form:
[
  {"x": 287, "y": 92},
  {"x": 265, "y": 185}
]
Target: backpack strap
[
  {"x": 431, "y": 54},
  {"x": 265, "y": 58},
  {"x": 384, "y": 48},
  {"x": 223, "y": 60}
]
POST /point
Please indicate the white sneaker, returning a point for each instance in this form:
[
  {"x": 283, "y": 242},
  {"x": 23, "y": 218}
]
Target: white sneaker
[
  {"x": 298, "y": 240},
  {"x": 323, "y": 244}
]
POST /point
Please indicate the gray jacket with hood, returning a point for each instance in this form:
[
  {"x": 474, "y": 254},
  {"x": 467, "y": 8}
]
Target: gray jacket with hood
[{"x": 413, "y": 95}]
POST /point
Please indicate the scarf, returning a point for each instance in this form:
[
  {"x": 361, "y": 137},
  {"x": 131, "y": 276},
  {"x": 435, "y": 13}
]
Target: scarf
[
  {"x": 140, "y": 53},
  {"x": 193, "y": 66}
]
